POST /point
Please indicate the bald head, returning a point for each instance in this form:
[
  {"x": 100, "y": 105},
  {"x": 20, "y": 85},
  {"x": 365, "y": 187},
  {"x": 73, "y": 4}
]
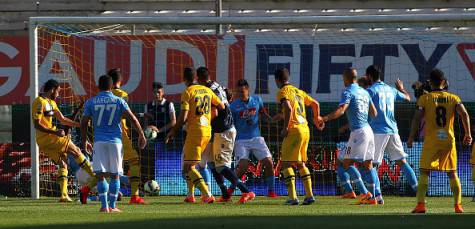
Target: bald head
[{"x": 349, "y": 76}]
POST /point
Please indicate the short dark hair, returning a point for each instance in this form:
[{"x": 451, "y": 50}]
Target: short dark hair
[
  {"x": 202, "y": 73},
  {"x": 350, "y": 72},
  {"x": 105, "y": 83},
  {"x": 157, "y": 85},
  {"x": 115, "y": 74},
  {"x": 229, "y": 94},
  {"x": 188, "y": 74},
  {"x": 282, "y": 74},
  {"x": 50, "y": 84},
  {"x": 437, "y": 77},
  {"x": 374, "y": 72},
  {"x": 242, "y": 83}
]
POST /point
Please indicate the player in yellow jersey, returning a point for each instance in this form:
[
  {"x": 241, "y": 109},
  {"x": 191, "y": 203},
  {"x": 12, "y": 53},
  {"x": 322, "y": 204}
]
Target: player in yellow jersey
[
  {"x": 296, "y": 134},
  {"x": 439, "y": 152},
  {"x": 53, "y": 141},
  {"x": 130, "y": 154},
  {"x": 196, "y": 102}
]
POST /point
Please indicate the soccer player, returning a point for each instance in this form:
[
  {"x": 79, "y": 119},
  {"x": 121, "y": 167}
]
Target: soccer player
[
  {"x": 296, "y": 134},
  {"x": 52, "y": 141},
  {"x": 357, "y": 103},
  {"x": 439, "y": 152},
  {"x": 106, "y": 111},
  {"x": 386, "y": 137},
  {"x": 196, "y": 102},
  {"x": 246, "y": 110},
  {"x": 340, "y": 171},
  {"x": 130, "y": 154},
  {"x": 224, "y": 136}
]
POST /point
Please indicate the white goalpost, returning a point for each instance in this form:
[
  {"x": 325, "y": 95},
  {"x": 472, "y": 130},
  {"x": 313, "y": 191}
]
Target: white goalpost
[{"x": 255, "y": 42}]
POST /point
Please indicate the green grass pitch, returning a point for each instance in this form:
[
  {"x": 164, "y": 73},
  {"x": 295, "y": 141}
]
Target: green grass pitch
[{"x": 171, "y": 212}]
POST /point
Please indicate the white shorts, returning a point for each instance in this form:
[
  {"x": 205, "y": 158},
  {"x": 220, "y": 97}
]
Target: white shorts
[
  {"x": 207, "y": 155},
  {"x": 108, "y": 157},
  {"x": 389, "y": 143},
  {"x": 257, "y": 146},
  {"x": 360, "y": 146},
  {"x": 223, "y": 145}
]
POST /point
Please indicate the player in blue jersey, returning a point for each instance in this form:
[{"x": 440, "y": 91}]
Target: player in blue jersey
[
  {"x": 360, "y": 147},
  {"x": 386, "y": 137},
  {"x": 106, "y": 111},
  {"x": 246, "y": 110}
]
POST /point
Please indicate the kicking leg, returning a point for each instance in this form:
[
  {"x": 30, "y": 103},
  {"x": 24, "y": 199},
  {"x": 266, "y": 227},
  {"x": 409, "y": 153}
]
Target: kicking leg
[{"x": 408, "y": 172}]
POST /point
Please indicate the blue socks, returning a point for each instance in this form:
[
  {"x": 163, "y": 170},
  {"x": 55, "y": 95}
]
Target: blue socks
[
  {"x": 344, "y": 179},
  {"x": 356, "y": 178},
  {"x": 377, "y": 184},
  {"x": 408, "y": 172},
  {"x": 270, "y": 182},
  {"x": 102, "y": 189},
  {"x": 114, "y": 187}
]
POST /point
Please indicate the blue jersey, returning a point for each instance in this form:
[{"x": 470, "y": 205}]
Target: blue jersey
[
  {"x": 246, "y": 117},
  {"x": 384, "y": 97},
  {"x": 358, "y": 101},
  {"x": 106, "y": 111}
]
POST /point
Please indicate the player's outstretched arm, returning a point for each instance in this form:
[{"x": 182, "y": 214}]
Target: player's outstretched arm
[
  {"x": 467, "y": 140},
  {"x": 337, "y": 113},
  {"x": 179, "y": 124},
  {"x": 136, "y": 125},
  {"x": 416, "y": 120},
  {"x": 65, "y": 121},
  {"x": 84, "y": 124},
  {"x": 400, "y": 87},
  {"x": 317, "y": 119},
  {"x": 170, "y": 124}
]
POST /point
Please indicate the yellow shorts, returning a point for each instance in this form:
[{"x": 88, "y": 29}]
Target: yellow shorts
[
  {"x": 434, "y": 159},
  {"x": 194, "y": 146},
  {"x": 294, "y": 146},
  {"x": 54, "y": 146},
  {"x": 129, "y": 152}
]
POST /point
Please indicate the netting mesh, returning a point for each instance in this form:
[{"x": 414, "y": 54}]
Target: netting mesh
[{"x": 76, "y": 55}]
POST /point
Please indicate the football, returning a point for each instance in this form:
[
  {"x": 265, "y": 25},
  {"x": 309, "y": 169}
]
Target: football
[
  {"x": 150, "y": 133},
  {"x": 152, "y": 188}
]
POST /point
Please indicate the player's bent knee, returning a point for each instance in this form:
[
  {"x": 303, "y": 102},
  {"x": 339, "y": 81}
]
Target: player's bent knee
[{"x": 452, "y": 174}]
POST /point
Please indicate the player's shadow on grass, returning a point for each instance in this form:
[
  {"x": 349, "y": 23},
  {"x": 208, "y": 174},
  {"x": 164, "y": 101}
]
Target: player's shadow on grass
[{"x": 261, "y": 222}]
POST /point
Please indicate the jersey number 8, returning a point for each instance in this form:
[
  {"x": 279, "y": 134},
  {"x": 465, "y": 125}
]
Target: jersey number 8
[{"x": 441, "y": 116}]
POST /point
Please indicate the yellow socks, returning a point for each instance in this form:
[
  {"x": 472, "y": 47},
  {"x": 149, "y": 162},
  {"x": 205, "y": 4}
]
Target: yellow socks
[
  {"x": 191, "y": 186},
  {"x": 198, "y": 181},
  {"x": 84, "y": 164},
  {"x": 134, "y": 170},
  {"x": 307, "y": 181},
  {"x": 289, "y": 177},
  {"x": 473, "y": 174},
  {"x": 456, "y": 188},
  {"x": 63, "y": 181},
  {"x": 422, "y": 187}
]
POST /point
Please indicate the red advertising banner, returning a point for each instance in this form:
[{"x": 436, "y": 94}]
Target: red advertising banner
[{"x": 77, "y": 62}]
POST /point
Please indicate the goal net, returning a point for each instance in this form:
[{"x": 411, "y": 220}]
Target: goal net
[{"x": 77, "y": 51}]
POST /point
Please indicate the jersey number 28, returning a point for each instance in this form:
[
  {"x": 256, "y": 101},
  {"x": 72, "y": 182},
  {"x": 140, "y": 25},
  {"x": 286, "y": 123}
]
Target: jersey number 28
[{"x": 203, "y": 105}]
